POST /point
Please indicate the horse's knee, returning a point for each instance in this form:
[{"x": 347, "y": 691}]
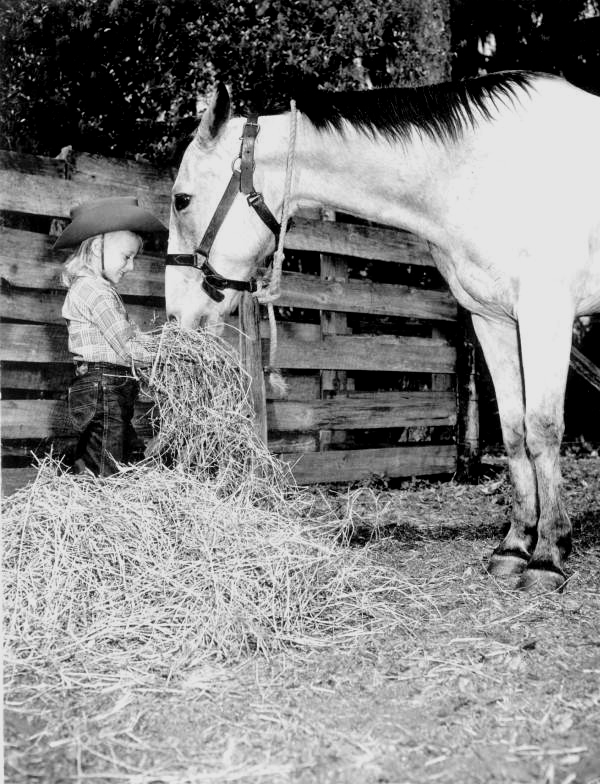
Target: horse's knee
[
  {"x": 543, "y": 432},
  {"x": 513, "y": 435}
]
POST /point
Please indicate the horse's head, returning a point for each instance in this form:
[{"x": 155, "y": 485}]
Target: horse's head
[{"x": 237, "y": 238}]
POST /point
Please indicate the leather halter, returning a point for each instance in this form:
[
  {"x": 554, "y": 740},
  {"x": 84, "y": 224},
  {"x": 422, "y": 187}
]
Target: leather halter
[{"x": 241, "y": 182}]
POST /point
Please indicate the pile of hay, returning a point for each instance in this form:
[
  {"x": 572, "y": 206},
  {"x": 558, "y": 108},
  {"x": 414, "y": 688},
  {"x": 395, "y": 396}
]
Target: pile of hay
[{"x": 161, "y": 566}]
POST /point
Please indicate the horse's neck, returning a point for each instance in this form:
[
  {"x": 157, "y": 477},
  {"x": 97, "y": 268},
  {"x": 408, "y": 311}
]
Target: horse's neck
[{"x": 372, "y": 179}]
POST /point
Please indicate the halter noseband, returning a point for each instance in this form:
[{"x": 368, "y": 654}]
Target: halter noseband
[{"x": 241, "y": 182}]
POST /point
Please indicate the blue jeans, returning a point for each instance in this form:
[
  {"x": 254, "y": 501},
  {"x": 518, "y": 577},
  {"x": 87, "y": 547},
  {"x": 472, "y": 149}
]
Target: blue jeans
[{"x": 101, "y": 406}]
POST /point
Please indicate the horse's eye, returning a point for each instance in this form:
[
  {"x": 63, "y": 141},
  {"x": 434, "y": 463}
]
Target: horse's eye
[{"x": 182, "y": 200}]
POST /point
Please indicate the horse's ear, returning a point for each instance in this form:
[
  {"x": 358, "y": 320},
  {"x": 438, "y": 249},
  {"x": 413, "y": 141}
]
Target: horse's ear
[{"x": 214, "y": 118}]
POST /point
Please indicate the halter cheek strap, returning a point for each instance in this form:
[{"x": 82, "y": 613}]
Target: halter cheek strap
[
  {"x": 241, "y": 181},
  {"x": 255, "y": 200}
]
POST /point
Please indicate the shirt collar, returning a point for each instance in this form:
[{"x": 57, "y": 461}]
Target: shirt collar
[{"x": 96, "y": 278}]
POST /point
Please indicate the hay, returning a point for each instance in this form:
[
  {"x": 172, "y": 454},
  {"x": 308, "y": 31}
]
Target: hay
[
  {"x": 155, "y": 568},
  {"x": 162, "y": 566},
  {"x": 204, "y": 415}
]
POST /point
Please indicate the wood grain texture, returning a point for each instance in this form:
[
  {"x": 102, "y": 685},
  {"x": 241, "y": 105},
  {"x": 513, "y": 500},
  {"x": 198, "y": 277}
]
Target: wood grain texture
[
  {"x": 401, "y": 409},
  {"x": 363, "y": 242},
  {"x": 250, "y": 350},
  {"x": 363, "y": 464}
]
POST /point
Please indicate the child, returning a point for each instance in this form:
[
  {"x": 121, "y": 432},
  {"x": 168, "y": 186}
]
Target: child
[{"x": 105, "y": 344}]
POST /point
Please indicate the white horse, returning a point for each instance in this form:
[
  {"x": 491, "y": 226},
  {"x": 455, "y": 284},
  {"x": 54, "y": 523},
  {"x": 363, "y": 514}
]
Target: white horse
[{"x": 500, "y": 174}]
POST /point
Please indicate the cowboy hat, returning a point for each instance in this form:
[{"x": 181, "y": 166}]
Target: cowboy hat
[{"x": 117, "y": 213}]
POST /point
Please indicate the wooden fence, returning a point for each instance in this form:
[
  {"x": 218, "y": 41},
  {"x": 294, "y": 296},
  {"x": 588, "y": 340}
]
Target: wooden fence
[{"x": 369, "y": 358}]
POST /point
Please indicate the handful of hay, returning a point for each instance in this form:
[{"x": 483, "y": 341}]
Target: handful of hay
[
  {"x": 159, "y": 567},
  {"x": 205, "y": 416}
]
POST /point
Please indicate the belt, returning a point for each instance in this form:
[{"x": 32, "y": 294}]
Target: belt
[{"x": 81, "y": 368}]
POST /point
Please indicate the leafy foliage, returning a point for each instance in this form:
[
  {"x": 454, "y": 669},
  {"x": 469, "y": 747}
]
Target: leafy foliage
[
  {"x": 126, "y": 77},
  {"x": 96, "y": 74},
  {"x": 556, "y": 36}
]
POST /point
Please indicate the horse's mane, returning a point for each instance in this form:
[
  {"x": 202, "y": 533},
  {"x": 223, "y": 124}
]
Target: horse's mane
[{"x": 442, "y": 111}]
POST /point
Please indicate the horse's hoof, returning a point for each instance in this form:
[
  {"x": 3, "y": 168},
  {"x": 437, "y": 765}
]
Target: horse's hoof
[
  {"x": 542, "y": 580},
  {"x": 507, "y": 563}
]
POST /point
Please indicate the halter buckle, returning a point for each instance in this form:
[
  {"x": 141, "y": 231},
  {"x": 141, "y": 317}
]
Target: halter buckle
[
  {"x": 255, "y": 198},
  {"x": 250, "y": 123}
]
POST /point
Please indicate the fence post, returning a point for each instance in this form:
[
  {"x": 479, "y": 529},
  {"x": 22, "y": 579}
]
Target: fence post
[
  {"x": 468, "y": 466},
  {"x": 251, "y": 359},
  {"x": 333, "y": 382}
]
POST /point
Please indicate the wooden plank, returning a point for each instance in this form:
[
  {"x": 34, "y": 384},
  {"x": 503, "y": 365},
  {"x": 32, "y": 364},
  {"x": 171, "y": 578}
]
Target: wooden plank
[
  {"x": 44, "y": 307},
  {"x": 94, "y": 168},
  {"x": 250, "y": 350},
  {"x": 401, "y": 409},
  {"x": 293, "y": 442},
  {"x": 41, "y": 378},
  {"x": 467, "y": 433},
  {"x": 333, "y": 273},
  {"x": 362, "y": 464},
  {"x": 363, "y": 242},
  {"x": 42, "y": 195},
  {"x": 48, "y": 343},
  {"x": 281, "y": 442},
  {"x": 585, "y": 368},
  {"x": 122, "y": 172},
  {"x": 27, "y": 419},
  {"x": 441, "y": 382},
  {"x": 27, "y": 261},
  {"x": 357, "y": 296},
  {"x": 14, "y": 479},
  {"x": 299, "y": 387},
  {"x": 34, "y": 343},
  {"x": 363, "y": 352},
  {"x": 26, "y": 448},
  {"x": 33, "y": 164}
]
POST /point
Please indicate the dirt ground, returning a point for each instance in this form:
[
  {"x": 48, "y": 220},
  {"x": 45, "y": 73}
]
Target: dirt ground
[{"x": 480, "y": 684}]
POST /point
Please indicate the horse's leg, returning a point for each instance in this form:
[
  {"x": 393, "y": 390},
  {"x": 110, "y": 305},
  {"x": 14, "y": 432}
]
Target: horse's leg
[
  {"x": 545, "y": 330},
  {"x": 500, "y": 343}
]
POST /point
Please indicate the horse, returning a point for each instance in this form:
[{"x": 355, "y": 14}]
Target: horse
[{"x": 500, "y": 174}]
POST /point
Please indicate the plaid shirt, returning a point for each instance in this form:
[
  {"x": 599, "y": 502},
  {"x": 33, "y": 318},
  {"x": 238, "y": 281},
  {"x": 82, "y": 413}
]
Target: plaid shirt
[{"x": 99, "y": 328}]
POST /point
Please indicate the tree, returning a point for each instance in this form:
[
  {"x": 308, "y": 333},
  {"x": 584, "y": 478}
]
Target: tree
[
  {"x": 126, "y": 77},
  {"x": 97, "y": 74},
  {"x": 555, "y": 36}
]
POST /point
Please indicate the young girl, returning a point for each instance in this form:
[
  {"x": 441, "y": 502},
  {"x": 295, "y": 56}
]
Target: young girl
[{"x": 105, "y": 344}]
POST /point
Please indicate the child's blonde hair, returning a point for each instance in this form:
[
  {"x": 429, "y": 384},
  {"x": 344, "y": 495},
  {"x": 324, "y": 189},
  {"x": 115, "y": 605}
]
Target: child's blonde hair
[{"x": 84, "y": 258}]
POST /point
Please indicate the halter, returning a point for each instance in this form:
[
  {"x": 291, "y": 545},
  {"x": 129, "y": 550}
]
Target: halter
[{"x": 241, "y": 182}]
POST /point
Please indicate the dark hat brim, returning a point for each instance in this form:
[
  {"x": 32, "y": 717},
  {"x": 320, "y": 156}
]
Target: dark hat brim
[{"x": 106, "y": 216}]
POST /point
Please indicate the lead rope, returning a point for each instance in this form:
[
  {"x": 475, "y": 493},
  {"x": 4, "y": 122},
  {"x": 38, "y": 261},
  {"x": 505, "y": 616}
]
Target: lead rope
[{"x": 267, "y": 294}]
